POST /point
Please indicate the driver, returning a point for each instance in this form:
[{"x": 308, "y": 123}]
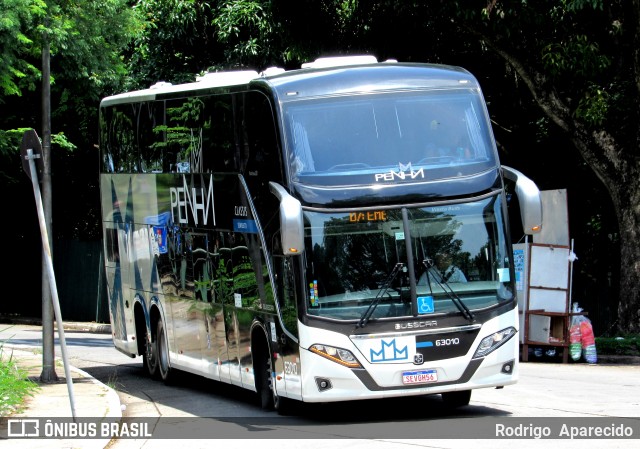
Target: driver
[{"x": 443, "y": 271}]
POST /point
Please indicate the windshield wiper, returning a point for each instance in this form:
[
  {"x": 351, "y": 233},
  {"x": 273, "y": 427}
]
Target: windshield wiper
[
  {"x": 364, "y": 319},
  {"x": 455, "y": 299}
]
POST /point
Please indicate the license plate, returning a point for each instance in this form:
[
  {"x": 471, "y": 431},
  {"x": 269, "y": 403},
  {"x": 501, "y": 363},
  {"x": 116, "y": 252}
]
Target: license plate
[{"x": 419, "y": 377}]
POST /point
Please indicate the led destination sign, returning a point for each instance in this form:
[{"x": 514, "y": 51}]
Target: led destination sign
[{"x": 367, "y": 216}]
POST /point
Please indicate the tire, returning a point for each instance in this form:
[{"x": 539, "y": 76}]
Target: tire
[
  {"x": 268, "y": 397},
  {"x": 263, "y": 381},
  {"x": 164, "y": 367},
  {"x": 455, "y": 399},
  {"x": 150, "y": 356}
]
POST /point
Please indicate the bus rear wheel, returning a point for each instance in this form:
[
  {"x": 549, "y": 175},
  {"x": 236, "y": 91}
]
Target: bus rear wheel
[
  {"x": 150, "y": 356},
  {"x": 164, "y": 369}
]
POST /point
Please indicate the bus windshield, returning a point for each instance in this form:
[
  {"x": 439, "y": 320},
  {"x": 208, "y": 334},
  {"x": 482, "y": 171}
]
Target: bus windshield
[
  {"x": 356, "y": 257},
  {"x": 368, "y": 136}
]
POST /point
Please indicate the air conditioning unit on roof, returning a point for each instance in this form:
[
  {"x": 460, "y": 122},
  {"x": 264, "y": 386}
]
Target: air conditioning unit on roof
[{"x": 336, "y": 61}]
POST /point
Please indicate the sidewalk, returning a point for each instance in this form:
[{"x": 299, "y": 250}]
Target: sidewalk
[{"x": 92, "y": 399}]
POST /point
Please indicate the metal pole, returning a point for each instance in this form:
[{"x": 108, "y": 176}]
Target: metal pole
[
  {"x": 52, "y": 281},
  {"x": 48, "y": 348}
]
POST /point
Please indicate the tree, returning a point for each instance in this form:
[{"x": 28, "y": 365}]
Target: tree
[
  {"x": 580, "y": 60},
  {"x": 18, "y": 22},
  {"x": 86, "y": 39},
  {"x": 183, "y": 38},
  {"x": 247, "y": 31},
  {"x": 176, "y": 42}
]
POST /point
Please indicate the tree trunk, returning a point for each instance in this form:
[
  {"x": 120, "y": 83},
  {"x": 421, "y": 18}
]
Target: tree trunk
[
  {"x": 619, "y": 171},
  {"x": 615, "y": 166},
  {"x": 629, "y": 224}
]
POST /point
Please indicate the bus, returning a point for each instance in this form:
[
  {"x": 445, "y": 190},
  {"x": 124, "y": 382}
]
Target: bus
[{"x": 281, "y": 232}]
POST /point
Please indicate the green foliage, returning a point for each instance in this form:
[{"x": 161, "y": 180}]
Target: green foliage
[
  {"x": 245, "y": 28},
  {"x": 576, "y": 5},
  {"x": 15, "y": 386},
  {"x": 577, "y": 56},
  {"x": 18, "y": 51},
  {"x": 88, "y": 35},
  {"x": 593, "y": 107},
  {"x": 174, "y": 42},
  {"x": 573, "y": 44},
  {"x": 624, "y": 345},
  {"x": 10, "y": 164},
  {"x": 10, "y": 142}
]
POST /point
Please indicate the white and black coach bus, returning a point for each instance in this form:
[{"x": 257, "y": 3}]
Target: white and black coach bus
[{"x": 284, "y": 232}]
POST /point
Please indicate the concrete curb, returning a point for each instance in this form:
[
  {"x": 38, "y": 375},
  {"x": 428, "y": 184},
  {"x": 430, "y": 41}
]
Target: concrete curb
[
  {"x": 77, "y": 326},
  {"x": 114, "y": 409},
  {"x": 95, "y": 328}
]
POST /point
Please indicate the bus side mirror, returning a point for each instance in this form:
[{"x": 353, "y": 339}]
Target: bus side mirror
[
  {"x": 529, "y": 198},
  {"x": 291, "y": 224}
]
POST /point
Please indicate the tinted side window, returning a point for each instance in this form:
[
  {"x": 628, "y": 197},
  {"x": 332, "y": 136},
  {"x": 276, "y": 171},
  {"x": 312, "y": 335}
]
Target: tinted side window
[{"x": 117, "y": 139}]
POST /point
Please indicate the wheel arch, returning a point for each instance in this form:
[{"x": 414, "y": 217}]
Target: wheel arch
[
  {"x": 140, "y": 319},
  {"x": 155, "y": 315},
  {"x": 260, "y": 343}
]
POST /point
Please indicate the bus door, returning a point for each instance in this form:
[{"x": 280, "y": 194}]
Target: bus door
[{"x": 287, "y": 364}]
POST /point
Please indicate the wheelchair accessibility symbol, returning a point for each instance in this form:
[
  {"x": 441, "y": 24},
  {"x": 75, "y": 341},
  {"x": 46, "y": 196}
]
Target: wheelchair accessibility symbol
[{"x": 425, "y": 304}]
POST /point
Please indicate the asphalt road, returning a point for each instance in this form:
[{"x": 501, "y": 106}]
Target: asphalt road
[{"x": 546, "y": 393}]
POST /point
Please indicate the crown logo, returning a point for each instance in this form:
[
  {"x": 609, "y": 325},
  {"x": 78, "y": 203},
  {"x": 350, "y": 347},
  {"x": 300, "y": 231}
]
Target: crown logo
[{"x": 389, "y": 351}]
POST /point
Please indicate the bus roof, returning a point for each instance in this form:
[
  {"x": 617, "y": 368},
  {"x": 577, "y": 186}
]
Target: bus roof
[
  {"x": 326, "y": 76},
  {"x": 208, "y": 81},
  {"x": 377, "y": 77}
]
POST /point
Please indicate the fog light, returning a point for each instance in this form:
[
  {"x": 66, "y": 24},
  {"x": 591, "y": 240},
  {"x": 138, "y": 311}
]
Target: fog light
[
  {"x": 507, "y": 368},
  {"x": 323, "y": 384}
]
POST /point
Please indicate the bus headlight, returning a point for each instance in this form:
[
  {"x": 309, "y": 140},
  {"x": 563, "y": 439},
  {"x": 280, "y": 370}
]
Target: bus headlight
[
  {"x": 338, "y": 355},
  {"x": 494, "y": 341}
]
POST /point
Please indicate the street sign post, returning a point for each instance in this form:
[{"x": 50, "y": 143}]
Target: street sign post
[{"x": 31, "y": 153}]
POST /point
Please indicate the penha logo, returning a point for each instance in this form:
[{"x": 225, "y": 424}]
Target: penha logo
[
  {"x": 188, "y": 204},
  {"x": 404, "y": 172}
]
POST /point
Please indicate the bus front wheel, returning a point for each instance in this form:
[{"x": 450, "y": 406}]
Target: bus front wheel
[
  {"x": 264, "y": 381},
  {"x": 265, "y": 385}
]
